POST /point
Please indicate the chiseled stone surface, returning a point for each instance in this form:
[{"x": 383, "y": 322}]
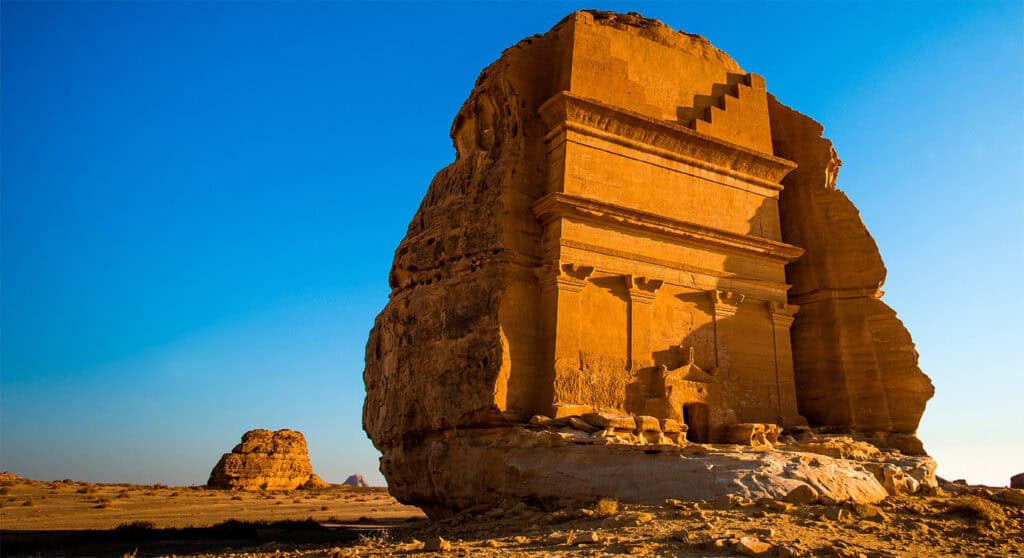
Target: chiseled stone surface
[
  {"x": 266, "y": 460},
  {"x": 612, "y": 251}
]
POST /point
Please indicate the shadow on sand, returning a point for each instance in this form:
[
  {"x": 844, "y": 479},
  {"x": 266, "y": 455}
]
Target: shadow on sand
[{"x": 144, "y": 539}]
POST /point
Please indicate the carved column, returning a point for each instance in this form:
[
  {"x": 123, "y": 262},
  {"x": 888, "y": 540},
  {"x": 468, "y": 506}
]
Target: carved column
[
  {"x": 724, "y": 305},
  {"x": 561, "y": 284},
  {"x": 782, "y": 316},
  {"x": 641, "y": 295}
]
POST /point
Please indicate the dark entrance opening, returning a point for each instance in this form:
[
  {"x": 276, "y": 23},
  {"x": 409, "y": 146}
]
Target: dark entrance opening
[{"x": 695, "y": 415}]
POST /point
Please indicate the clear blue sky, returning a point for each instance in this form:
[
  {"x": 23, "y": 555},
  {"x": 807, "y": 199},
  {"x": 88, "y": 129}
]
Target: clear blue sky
[{"x": 200, "y": 203}]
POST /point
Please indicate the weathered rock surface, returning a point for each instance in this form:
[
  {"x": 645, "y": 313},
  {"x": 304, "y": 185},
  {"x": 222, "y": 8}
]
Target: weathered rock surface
[
  {"x": 562, "y": 470},
  {"x": 1017, "y": 481},
  {"x": 611, "y": 254},
  {"x": 356, "y": 481},
  {"x": 854, "y": 362},
  {"x": 266, "y": 460}
]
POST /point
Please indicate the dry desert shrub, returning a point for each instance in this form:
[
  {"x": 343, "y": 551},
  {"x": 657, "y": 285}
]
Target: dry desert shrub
[
  {"x": 606, "y": 507},
  {"x": 374, "y": 539},
  {"x": 104, "y": 503},
  {"x": 973, "y": 507}
]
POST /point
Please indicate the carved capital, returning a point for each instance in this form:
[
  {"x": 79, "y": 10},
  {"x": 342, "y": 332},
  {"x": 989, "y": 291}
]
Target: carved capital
[
  {"x": 782, "y": 314},
  {"x": 564, "y": 276},
  {"x": 641, "y": 289},
  {"x": 725, "y": 303}
]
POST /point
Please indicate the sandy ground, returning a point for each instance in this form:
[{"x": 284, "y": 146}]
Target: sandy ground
[
  {"x": 33, "y": 505},
  {"x": 81, "y": 519}
]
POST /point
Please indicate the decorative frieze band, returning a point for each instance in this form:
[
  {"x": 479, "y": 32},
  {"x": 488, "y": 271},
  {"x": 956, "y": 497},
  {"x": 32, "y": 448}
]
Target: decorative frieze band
[{"x": 662, "y": 138}]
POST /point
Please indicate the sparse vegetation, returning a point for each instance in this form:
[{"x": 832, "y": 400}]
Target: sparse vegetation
[
  {"x": 375, "y": 539},
  {"x": 973, "y": 507},
  {"x": 104, "y": 503}
]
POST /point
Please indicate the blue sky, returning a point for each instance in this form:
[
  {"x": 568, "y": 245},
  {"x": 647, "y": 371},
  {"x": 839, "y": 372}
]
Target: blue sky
[{"x": 200, "y": 203}]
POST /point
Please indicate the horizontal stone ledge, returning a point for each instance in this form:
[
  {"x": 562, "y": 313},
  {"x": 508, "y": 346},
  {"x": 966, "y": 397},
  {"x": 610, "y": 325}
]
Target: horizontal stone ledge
[
  {"x": 561, "y": 205},
  {"x": 823, "y": 295}
]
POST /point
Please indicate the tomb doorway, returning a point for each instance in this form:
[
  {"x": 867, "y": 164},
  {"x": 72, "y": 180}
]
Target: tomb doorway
[{"x": 695, "y": 415}]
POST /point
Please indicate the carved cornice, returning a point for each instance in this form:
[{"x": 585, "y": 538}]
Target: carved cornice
[
  {"x": 641, "y": 289},
  {"x": 558, "y": 205},
  {"x": 725, "y": 303},
  {"x": 566, "y": 111},
  {"x": 564, "y": 276}
]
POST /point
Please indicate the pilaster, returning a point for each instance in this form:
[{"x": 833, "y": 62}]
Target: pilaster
[
  {"x": 642, "y": 292},
  {"x": 561, "y": 284},
  {"x": 724, "y": 305},
  {"x": 782, "y": 316}
]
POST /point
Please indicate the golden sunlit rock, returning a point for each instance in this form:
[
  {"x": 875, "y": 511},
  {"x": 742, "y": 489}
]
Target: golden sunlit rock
[
  {"x": 266, "y": 460},
  {"x": 637, "y": 248}
]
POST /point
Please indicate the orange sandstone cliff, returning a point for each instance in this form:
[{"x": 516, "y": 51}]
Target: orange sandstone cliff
[{"x": 637, "y": 249}]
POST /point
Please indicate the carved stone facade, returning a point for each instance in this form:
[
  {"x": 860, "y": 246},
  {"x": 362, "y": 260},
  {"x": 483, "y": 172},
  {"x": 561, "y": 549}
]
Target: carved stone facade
[{"x": 617, "y": 235}]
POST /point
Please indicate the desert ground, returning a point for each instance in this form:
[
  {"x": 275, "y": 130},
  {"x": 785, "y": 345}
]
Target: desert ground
[{"x": 73, "y": 518}]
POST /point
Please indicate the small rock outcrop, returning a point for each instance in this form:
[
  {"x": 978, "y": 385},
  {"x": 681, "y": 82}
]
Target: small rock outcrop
[
  {"x": 1017, "y": 481},
  {"x": 356, "y": 481},
  {"x": 637, "y": 248},
  {"x": 266, "y": 460}
]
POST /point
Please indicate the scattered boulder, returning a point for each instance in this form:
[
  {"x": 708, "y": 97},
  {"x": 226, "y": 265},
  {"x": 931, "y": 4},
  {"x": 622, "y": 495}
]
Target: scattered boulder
[
  {"x": 356, "y": 481},
  {"x": 1017, "y": 481},
  {"x": 801, "y": 494},
  {"x": 266, "y": 460},
  {"x": 437, "y": 544},
  {"x": 752, "y": 546}
]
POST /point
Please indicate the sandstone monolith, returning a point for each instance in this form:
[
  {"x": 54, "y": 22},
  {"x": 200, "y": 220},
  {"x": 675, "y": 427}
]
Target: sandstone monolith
[
  {"x": 266, "y": 460},
  {"x": 356, "y": 481},
  {"x": 638, "y": 249}
]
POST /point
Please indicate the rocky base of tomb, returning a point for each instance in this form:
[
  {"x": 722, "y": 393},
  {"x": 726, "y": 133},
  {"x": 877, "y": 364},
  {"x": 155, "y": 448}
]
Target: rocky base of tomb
[
  {"x": 266, "y": 460},
  {"x": 558, "y": 462}
]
